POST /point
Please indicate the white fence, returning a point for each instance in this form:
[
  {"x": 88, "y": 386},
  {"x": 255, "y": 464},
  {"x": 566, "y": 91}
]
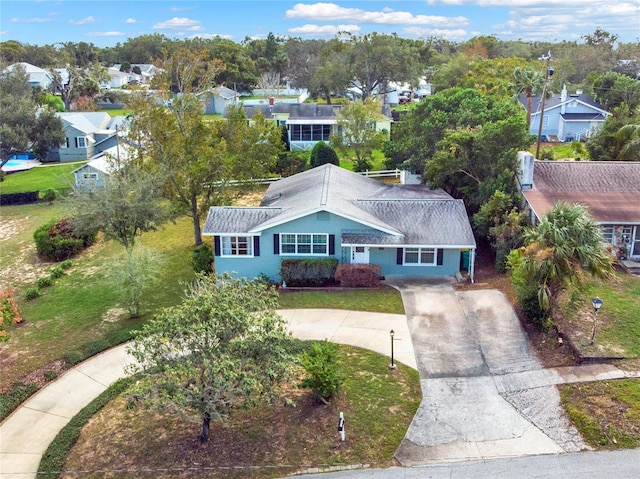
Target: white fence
[{"x": 371, "y": 174}]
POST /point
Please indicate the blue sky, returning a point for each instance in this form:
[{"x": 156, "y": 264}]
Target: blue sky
[{"x": 106, "y": 23}]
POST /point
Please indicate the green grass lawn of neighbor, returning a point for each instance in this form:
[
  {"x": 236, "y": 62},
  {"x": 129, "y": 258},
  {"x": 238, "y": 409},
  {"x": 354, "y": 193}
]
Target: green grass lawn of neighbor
[
  {"x": 272, "y": 441},
  {"x": 58, "y": 176},
  {"x": 618, "y": 321},
  {"x": 117, "y": 111},
  {"x": 591, "y": 407}
]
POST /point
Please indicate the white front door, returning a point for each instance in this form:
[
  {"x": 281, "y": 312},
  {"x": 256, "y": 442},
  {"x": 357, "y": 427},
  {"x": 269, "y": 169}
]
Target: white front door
[{"x": 359, "y": 255}]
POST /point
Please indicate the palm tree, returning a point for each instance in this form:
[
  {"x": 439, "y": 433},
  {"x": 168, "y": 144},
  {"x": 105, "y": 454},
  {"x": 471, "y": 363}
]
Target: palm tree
[
  {"x": 562, "y": 250},
  {"x": 628, "y": 138},
  {"x": 529, "y": 82}
]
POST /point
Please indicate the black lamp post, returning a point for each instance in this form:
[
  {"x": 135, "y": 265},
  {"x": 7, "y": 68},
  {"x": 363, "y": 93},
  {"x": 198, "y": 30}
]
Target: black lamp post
[
  {"x": 597, "y": 304},
  {"x": 392, "y": 334}
]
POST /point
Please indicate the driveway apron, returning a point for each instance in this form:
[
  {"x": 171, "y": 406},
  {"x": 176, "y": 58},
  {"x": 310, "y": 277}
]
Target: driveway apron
[{"x": 468, "y": 347}]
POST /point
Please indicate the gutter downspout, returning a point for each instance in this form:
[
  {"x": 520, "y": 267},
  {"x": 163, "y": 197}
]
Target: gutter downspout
[{"x": 472, "y": 264}]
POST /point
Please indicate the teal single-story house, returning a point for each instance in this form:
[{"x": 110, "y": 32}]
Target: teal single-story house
[{"x": 408, "y": 230}]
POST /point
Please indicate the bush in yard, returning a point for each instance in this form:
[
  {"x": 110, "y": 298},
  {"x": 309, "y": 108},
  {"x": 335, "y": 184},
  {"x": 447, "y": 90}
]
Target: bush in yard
[
  {"x": 58, "y": 240},
  {"x": 292, "y": 162},
  {"x": 9, "y": 313},
  {"x": 32, "y": 293},
  {"x": 358, "y": 275},
  {"x": 49, "y": 195},
  {"x": 526, "y": 291},
  {"x": 202, "y": 259},
  {"x": 322, "y": 154},
  {"x": 44, "y": 282},
  {"x": 57, "y": 272},
  {"x": 323, "y": 376},
  {"x": 66, "y": 264},
  {"x": 308, "y": 271},
  {"x": 547, "y": 153}
]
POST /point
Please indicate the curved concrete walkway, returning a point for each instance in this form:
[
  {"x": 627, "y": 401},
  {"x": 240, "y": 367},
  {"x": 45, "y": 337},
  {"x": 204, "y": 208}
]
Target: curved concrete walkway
[
  {"x": 28, "y": 431},
  {"x": 25, "y": 434}
]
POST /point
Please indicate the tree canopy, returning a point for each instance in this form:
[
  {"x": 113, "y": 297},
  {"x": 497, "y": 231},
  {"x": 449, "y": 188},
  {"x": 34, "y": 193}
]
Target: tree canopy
[
  {"x": 562, "y": 251},
  {"x": 199, "y": 157},
  {"x": 23, "y": 126},
  {"x": 224, "y": 347}
]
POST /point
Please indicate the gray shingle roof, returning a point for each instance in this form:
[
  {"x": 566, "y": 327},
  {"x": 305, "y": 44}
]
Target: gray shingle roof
[{"x": 400, "y": 214}]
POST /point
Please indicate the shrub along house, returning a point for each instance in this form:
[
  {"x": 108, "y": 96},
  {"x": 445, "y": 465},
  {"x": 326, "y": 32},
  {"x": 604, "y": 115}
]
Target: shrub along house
[{"x": 330, "y": 212}]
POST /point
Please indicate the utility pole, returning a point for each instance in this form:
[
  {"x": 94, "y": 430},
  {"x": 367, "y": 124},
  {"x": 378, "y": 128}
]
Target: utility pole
[{"x": 546, "y": 57}]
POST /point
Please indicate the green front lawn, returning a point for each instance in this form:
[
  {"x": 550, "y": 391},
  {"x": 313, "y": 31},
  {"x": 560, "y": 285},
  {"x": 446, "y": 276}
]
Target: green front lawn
[
  {"x": 58, "y": 176},
  {"x": 384, "y": 299},
  {"x": 272, "y": 441}
]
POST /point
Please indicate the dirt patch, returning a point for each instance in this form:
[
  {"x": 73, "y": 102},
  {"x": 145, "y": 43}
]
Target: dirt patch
[
  {"x": 113, "y": 315},
  {"x": 11, "y": 228}
]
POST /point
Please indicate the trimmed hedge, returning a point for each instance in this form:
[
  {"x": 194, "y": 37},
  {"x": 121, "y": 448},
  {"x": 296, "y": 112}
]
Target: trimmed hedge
[
  {"x": 22, "y": 198},
  {"x": 308, "y": 271},
  {"x": 55, "y": 456},
  {"x": 358, "y": 275}
]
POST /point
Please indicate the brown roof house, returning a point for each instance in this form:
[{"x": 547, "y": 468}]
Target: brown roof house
[{"x": 610, "y": 189}]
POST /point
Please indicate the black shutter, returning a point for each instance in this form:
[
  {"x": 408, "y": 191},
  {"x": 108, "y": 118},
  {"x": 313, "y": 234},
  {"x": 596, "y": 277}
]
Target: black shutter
[
  {"x": 440, "y": 252},
  {"x": 256, "y": 246},
  {"x": 216, "y": 245},
  {"x": 276, "y": 244},
  {"x": 332, "y": 244},
  {"x": 399, "y": 254}
]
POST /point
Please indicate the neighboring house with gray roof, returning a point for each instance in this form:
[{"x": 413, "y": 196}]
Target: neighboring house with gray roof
[
  {"x": 409, "y": 230},
  {"x": 609, "y": 189},
  {"x": 93, "y": 174},
  {"x": 567, "y": 116},
  {"x": 306, "y": 123},
  {"x": 87, "y": 134},
  {"x": 219, "y": 100},
  {"x": 38, "y": 77}
]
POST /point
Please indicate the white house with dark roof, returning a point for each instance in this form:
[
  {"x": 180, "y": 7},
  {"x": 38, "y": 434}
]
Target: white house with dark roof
[
  {"x": 609, "y": 189},
  {"x": 567, "y": 116},
  {"x": 409, "y": 230}
]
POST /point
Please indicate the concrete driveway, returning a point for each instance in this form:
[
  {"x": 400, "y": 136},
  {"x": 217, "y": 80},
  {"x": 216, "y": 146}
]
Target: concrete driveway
[{"x": 472, "y": 355}]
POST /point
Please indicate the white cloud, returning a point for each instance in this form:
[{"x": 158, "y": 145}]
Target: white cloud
[
  {"x": 328, "y": 30},
  {"x": 106, "y": 34},
  {"x": 130, "y": 20},
  {"x": 177, "y": 23},
  {"x": 84, "y": 21},
  {"x": 208, "y": 36},
  {"x": 419, "y": 32},
  {"x": 31, "y": 20},
  {"x": 331, "y": 12},
  {"x": 181, "y": 9}
]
